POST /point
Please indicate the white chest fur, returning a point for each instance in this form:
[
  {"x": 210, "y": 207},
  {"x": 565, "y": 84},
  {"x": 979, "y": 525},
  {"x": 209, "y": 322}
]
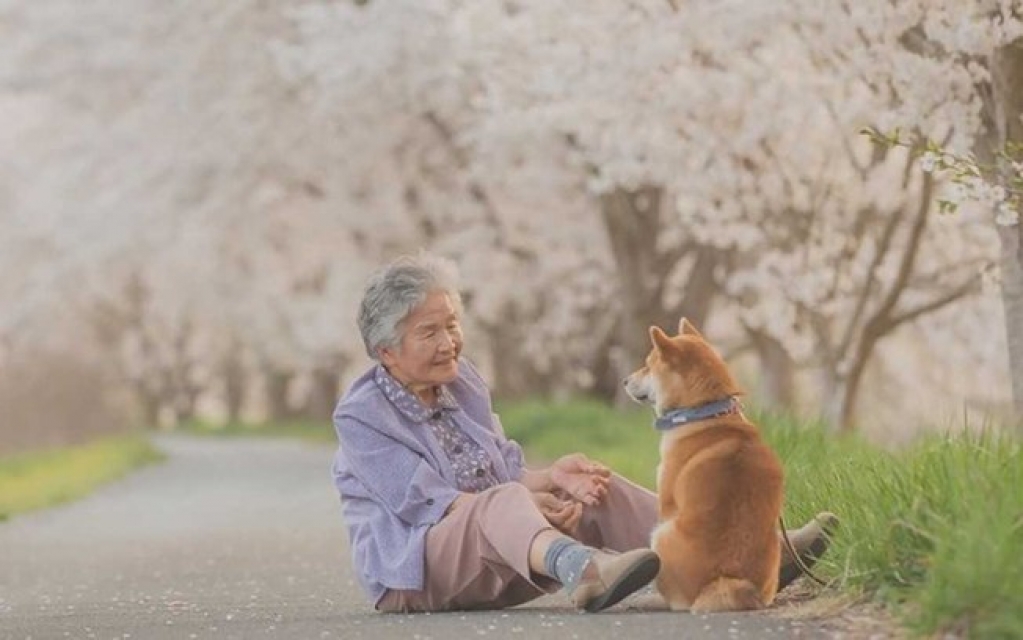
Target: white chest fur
[{"x": 666, "y": 441}]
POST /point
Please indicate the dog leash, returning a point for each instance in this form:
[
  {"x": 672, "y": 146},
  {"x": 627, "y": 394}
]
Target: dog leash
[{"x": 795, "y": 556}]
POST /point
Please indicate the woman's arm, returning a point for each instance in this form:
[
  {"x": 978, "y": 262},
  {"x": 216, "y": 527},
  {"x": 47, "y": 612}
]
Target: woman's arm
[
  {"x": 537, "y": 479},
  {"x": 399, "y": 478}
]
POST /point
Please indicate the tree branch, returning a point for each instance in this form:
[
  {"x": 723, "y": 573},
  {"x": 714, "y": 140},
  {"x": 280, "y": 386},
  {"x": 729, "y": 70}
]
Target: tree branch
[
  {"x": 861, "y": 304},
  {"x": 963, "y": 290},
  {"x": 912, "y": 247}
]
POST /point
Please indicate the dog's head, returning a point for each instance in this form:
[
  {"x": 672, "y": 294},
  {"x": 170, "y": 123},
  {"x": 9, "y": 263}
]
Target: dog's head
[{"x": 680, "y": 371}]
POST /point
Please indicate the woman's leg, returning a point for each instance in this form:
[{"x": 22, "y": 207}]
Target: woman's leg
[
  {"x": 479, "y": 556},
  {"x": 623, "y": 520}
]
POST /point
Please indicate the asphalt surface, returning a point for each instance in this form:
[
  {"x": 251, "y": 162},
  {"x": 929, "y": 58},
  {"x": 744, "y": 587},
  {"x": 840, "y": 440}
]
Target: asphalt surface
[{"x": 243, "y": 539}]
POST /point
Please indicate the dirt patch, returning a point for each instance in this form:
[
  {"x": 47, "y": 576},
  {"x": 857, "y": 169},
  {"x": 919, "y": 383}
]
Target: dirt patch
[{"x": 843, "y": 615}]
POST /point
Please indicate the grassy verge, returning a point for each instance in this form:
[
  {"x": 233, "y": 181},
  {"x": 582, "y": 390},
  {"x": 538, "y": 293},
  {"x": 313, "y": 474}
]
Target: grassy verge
[
  {"x": 306, "y": 430},
  {"x": 623, "y": 440},
  {"x": 36, "y": 480},
  {"x": 935, "y": 531}
]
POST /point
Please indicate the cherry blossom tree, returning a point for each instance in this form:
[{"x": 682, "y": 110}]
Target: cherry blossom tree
[
  {"x": 532, "y": 265},
  {"x": 988, "y": 49},
  {"x": 953, "y": 71},
  {"x": 694, "y": 191},
  {"x": 821, "y": 245},
  {"x": 209, "y": 210},
  {"x": 182, "y": 205}
]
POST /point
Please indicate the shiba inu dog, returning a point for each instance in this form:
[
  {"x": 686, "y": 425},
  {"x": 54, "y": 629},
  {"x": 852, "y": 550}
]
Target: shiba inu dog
[{"x": 719, "y": 486}]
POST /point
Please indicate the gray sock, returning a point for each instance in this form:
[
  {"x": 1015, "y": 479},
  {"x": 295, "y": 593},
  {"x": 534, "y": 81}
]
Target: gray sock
[{"x": 566, "y": 560}]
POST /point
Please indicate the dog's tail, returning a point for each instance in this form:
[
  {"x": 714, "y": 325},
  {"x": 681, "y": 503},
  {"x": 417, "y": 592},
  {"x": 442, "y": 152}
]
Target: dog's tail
[{"x": 728, "y": 594}]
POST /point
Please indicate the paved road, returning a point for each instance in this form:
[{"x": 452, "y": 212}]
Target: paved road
[{"x": 243, "y": 539}]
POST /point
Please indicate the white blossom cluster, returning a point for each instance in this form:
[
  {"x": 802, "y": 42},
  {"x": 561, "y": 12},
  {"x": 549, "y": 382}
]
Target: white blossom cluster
[{"x": 969, "y": 186}]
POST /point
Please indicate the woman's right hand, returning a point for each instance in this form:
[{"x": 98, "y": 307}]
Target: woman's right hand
[{"x": 563, "y": 514}]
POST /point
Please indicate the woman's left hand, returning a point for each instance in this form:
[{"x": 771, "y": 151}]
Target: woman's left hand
[
  {"x": 581, "y": 478},
  {"x": 563, "y": 514}
]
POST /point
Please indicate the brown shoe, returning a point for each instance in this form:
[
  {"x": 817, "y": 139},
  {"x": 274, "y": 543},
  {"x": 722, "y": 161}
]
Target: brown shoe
[
  {"x": 810, "y": 542},
  {"x": 617, "y": 576}
]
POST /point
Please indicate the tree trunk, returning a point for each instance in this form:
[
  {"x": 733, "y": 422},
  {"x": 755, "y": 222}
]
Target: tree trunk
[
  {"x": 836, "y": 400},
  {"x": 778, "y": 372},
  {"x": 150, "y": 404},
  {"x": 607, "y": 384},
  {"x": 841, "y": 391},
  {"x": 323, "y": 394},
  {"x": 278, "y": 384},
  {"x": 514, "y": 375},
  {"x": 184, "y": 406},
  {"x": 850, "y": 392},
  {"x": 634, "y": 221},
  {"x": 234, "y": 380},
  {"x": 1012, "y": 303},
  {"x": 701, "y": 289},
  {"x": 1006, "y": 127}
]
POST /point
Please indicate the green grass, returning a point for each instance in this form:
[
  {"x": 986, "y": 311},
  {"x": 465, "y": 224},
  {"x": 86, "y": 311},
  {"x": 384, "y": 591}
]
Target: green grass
[
  {"x": 935, "y": 531},
  {"x": 623, "y": 440},
  {"x": 305, "y": 430},
  {"x": 41, "y": 479}
]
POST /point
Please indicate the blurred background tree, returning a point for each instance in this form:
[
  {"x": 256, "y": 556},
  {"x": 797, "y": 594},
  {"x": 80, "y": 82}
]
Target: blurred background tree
[{"x": 193, "y": 194}]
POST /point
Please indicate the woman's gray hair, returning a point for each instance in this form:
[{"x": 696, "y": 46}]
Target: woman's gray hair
[{"x": 394, "y": 291}]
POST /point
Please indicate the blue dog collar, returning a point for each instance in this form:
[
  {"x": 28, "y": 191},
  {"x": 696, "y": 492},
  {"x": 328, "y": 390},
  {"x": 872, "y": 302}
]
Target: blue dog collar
[{"x": 686, "y": 415}]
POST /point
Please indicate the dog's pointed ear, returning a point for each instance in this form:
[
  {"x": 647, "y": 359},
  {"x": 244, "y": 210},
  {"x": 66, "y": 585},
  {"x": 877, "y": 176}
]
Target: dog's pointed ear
[
  {"x": 659, "y": 338},
  {"x": 686, "y": 328}
]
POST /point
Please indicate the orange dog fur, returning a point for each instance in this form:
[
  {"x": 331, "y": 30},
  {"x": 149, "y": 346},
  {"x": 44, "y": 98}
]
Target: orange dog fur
[{"x": 719, "y": 486}]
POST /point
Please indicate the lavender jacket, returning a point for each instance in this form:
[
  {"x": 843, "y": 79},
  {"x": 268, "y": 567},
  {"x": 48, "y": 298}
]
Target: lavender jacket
[{"x": 395, "y": 480}]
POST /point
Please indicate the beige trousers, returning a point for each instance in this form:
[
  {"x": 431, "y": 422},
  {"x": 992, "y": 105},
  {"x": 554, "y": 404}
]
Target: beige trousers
[{"x": 477, "y": 557}]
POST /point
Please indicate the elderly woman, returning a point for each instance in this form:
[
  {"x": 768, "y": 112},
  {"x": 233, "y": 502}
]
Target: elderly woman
[{"x": 441, "y": 511}]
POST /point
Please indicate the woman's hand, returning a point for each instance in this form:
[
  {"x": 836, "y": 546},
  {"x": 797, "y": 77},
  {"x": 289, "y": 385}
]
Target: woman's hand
[
  {"x": 563, "y": 514},
  {"x": 581, "y": 478}
]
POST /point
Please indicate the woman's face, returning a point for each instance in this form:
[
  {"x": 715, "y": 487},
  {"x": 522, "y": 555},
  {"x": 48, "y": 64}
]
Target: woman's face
[{"x": 430, "y": 343}]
